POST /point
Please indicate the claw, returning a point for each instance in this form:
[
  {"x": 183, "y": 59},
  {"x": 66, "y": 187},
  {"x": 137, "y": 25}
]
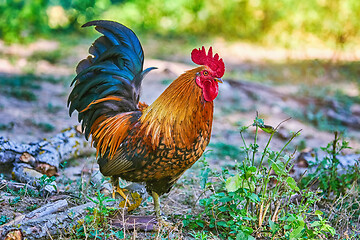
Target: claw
[
  {"x": 120, "y": 191},
  {"x": 137, "y": 199},
  {"x": 126, "y": 203}
]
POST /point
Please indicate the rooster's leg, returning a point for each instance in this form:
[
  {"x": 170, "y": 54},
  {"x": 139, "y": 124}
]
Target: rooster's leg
[
  {"x": 117, "y": 189},
  {"x": 160, "y": 219},
  {"x": 157, "y": 205}
]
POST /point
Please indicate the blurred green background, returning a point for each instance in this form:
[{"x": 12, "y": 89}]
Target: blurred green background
[{"x": 286, "y": 23}]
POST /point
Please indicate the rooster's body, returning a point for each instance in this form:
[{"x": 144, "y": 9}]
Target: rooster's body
[{"x": 151, "y": 144}]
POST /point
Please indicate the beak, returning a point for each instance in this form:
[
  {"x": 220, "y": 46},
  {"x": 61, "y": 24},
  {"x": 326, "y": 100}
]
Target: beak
[{"x": 219, "y": 80}]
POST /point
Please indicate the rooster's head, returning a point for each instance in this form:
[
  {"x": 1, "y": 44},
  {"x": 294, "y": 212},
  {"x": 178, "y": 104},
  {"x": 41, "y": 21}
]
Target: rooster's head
[{"x": 209, "y": 77}]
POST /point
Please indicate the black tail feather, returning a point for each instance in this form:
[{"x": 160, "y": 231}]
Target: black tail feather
[{"x": 114, "y": 69}]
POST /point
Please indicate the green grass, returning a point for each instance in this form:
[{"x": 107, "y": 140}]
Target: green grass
[
  {"x": 254, "y": 199},
  {"x": 322, "y": 87},
  {"x": 19, "y": 86},
  {"x": 326, "y": 175},
  {"x": 222, "y": 150},
  {"x": 24, "y": 86},
  {"x": 53, "y": 57},
  {"x": 7, "y": 126}
]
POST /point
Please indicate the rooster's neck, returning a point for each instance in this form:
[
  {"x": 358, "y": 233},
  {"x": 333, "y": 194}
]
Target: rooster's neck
[{"x": 179, "y": 115}]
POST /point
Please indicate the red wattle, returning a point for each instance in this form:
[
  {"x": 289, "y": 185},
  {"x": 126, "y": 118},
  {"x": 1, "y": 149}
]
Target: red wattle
[{"x": 210, "y": 90}]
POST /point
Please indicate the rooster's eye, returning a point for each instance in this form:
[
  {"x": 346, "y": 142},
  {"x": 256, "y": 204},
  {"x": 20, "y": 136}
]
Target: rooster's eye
[{"x": 205, "y": 73}]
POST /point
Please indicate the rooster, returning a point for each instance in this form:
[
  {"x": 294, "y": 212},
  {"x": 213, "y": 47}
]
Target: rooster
[{"x": 152, "y": 144}]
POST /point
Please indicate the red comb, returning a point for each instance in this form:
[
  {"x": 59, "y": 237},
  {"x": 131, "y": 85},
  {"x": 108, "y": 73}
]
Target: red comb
[{"x": 213, "y": 62}]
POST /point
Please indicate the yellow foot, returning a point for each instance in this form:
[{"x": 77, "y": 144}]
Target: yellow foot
[
  {"x": 134, "y": 196},
  {"x": 136, "y": 199},
  {"x": 120, "y": 191}
]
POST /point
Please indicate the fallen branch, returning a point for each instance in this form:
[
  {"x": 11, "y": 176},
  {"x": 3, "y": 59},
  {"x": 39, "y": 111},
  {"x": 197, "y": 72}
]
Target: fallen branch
[
  {"x": 56, "y": 219},
  {"x": 64, "y": 146},
  {"x": 46, "y": 221},
  {"x": 29, "y": 162},
  {"x": 51, "y": 221},
  {"x": 47, "y": 209}
]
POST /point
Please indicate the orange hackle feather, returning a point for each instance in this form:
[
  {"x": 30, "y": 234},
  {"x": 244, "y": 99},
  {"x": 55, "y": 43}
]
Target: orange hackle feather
[{"x": 178, "y": 114}]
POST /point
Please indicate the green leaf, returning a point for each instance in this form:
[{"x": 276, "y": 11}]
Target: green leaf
[
  {"x": 318, "y": 212},
  {"x": 243, "y": 128},
  {"x": 247, "y": 185},
  {"x": 292, "y": 184},
  {"x": 244, "y": 236},
  {"x": 296, "y": 233},
  {"x": 230, "y": 222},
  {"x": 279, "y": 168},
  {"x": 241, "y": 236},
  {"x": 233, "y": 183},
  {"x": 204, "y": 177},
  {"x": 254, "y": 197},
  {"x": 315, "y": 224},
  {"x": 225, "y": 199},
  {"x": 273, "y": 226},
  {"x": 223, "y": 208},
  {"x": 287, "y": 227},
  {"x": 330, "y": 229},
  {"x": 201, "y": 224},
  {"x": 250, "y": 171},
  {"x": 268, "y": 129},
  {"x": 185, "y": 223},
  {"x": 247, "y": 230},
  {"x": 251, "y": 237},
  {"x": 222, "y": 224}
]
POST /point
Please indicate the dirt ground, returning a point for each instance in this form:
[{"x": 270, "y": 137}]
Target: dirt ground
[{"x": 27, "y": 121}]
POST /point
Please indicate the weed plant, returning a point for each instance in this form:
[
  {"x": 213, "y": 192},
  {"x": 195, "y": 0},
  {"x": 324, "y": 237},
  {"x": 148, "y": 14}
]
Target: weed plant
[
  {"x": 340, "y": 188},
  {"x": 326, "y": 175},
  {"x": 260, "y": 200}
]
